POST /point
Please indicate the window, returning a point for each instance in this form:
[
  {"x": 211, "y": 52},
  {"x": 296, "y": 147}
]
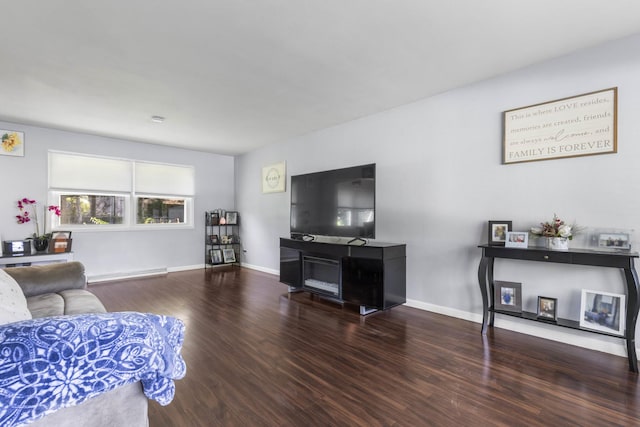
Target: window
[
  {"x": 91, "y": 209},
  {"x": 98, "y": 191},
  {"x": 160, "y": 211}
]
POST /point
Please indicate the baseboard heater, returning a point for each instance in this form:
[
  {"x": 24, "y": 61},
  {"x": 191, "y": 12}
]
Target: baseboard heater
[{"x": 126, "y": 275}]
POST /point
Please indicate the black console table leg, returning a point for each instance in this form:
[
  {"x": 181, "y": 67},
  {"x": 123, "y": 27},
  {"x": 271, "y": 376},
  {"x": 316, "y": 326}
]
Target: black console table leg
[
  {"x": 633, "y": 305},
  {"x": 486, "y": 264}
]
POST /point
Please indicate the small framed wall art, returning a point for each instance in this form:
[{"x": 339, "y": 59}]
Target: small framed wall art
[
  {"x": 274, "y": 178},
  {"x": 517, "y": 239},
  {"x": 507, "y": 296},
  {"x": 12, "y": 143},
  {"x": 498, "y": 232}
]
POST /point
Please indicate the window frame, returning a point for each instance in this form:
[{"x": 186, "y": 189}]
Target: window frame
[{"x": 130, "y": 200}]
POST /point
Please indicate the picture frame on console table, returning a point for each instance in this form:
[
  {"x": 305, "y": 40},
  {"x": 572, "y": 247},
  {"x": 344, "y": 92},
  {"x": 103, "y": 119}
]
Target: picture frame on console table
[
  {"x": 603, "y": 311},
  {"x": 548, "y": 309},
  {"x": 498, "y": 232},
  {"x": 517, "y": 239},
  {"x": 507, "y": 296}
]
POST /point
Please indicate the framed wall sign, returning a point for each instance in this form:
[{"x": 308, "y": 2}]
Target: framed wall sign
[
  {"x": 582, "y": 125},
  {"x": 274, "y": 178}
]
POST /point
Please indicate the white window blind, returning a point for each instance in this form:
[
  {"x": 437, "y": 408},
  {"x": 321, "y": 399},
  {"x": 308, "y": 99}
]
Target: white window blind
[
  {"x": 156, "y": 178},
  {"x": 74, "y": 171}
]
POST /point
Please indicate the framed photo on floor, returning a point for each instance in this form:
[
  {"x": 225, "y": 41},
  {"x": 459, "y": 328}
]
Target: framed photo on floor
[
  {"x": 507, "y": 296},
  {"x": 498, "y": 232}
]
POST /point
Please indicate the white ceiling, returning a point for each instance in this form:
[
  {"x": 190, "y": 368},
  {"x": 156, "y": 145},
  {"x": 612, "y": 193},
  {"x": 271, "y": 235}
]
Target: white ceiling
[{"x": 232, "y": 76}]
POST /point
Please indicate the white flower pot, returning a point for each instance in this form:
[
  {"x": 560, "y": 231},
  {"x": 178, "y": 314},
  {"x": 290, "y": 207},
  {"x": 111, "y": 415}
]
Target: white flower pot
[{"x": 558, "y": 243}]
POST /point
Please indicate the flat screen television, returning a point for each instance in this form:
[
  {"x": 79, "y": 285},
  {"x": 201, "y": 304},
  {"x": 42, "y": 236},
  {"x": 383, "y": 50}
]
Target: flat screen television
[{"x": 339, "y": 202}]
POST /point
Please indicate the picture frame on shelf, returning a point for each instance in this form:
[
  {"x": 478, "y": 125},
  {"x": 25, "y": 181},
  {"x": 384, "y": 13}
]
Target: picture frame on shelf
[
  {"x": 228, "y": 255},
  {"x": 60, "y": 235},
  {"x": 517, "y": 239},
  {"x": 548, "y": 309},
  {"x": 214, "y": 218},
  {"x": 226, "y": 239},
  {"x": 507, "y": 296},
  {"x": 214, "y": 239},
  {"x": 603, "y": 311},
  {"x": 231, "y": 217},
  {"x": 216, "y": 256},
  {"x": 498, "y": 232},
  {"x": 57, "y": 246}
]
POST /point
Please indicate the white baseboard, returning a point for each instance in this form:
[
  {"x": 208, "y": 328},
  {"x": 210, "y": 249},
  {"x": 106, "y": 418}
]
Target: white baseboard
[
  {"x": 263, "y": 269},
  {"x": 185, "y": 268},
  {"x": 587, "y": 340}
]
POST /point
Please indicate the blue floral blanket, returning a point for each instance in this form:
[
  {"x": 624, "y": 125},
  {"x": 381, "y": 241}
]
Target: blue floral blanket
[{"x": 55, "y": 362}]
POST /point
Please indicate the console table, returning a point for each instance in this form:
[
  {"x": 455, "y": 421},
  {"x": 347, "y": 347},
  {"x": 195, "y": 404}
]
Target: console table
[
  {"x": 372, "y": 276},
  {"x": 621, "y": 260}
]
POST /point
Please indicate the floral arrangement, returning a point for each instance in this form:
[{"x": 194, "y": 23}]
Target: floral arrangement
[
  {"x": 554, "y": 228},
  {"x": 25, "y": 205}
]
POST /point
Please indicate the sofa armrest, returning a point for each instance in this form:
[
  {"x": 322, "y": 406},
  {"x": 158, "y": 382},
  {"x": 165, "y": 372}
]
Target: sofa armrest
[{"x": 49, "y": 278}]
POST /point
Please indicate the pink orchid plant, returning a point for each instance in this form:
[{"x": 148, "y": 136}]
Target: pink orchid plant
[{"x": 25, "y": 205}]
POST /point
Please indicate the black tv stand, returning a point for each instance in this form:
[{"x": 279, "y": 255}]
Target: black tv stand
[
  {"x": 358, "y": 239},
  {"x": 371, "y": 276}
]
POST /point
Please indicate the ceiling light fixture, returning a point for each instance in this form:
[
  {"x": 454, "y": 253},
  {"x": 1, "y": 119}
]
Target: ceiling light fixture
[{"x": 157, "y": 119}]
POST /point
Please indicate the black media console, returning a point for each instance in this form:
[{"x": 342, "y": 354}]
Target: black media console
[{"x": 372, "y": 276}]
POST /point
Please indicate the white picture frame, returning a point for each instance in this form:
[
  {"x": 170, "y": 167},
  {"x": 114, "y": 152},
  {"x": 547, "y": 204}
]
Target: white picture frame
[
  {"x": 228, "y": 255},
  {"x": 517, "y": 239},
  {"x": 11, "y": 143},
  {"x": 603, "y": 311}
]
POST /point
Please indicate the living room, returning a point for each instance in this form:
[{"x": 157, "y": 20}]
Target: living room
[{"x": 439, "y": 180}]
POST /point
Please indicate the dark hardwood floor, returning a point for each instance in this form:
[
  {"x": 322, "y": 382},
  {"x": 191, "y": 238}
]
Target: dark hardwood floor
[{"x": 257, "y": 356}]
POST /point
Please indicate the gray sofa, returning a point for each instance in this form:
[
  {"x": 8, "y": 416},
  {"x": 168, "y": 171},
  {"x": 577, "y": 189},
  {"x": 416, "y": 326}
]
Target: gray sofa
[{"x": 60, "y": 289}]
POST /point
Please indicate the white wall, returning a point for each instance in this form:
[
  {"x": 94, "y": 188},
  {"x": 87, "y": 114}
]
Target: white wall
[
  {"x": 440, "y": 179},
  {"x": 123, "y": 252}
]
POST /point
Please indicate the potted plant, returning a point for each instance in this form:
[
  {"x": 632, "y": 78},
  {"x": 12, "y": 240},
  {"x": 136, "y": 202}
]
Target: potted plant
[
  {"x": 28, "y": 211},
  {"x": 557, "y": 233}
]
